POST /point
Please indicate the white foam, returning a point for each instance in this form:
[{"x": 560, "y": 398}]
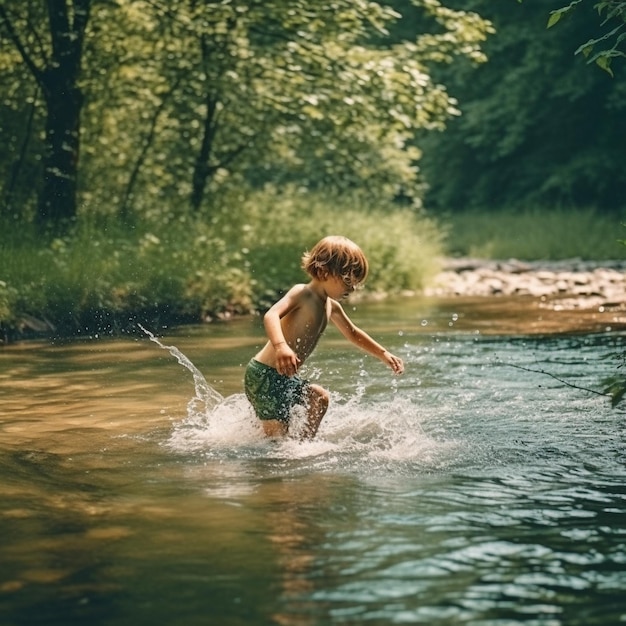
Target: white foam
[
  {"x": 356, "y": 430},
  {"x": 229, "y": 424},
  {"x": 353, "y": 434}
]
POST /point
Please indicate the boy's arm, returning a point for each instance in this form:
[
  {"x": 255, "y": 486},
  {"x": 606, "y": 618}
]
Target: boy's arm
[
  {"x": 361, "y": 339},
  {"x": 287, "y": 360}
]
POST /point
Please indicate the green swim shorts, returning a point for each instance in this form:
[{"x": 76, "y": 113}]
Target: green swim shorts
[{"x": 271, "y": 394}]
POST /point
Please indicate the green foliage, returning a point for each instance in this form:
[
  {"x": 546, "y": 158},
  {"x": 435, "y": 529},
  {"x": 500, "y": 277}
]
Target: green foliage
[
  {"x": 185, "y": 100},
  {"x": 615, "y": 387},
  {"x": 557, "y": 14},
  {"x": 8, "y": 297},
  {"x": 103, "y": 276},
  {"x": 402, "y": 249},
  {"x": 533, "y": 234},
  {"x": 613, "y": 15},
  {"x": 536, "y": 128}
]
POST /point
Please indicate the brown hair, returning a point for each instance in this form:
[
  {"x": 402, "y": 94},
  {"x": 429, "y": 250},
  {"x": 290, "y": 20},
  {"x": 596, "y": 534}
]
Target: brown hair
[{"x": 339, "y": 257}]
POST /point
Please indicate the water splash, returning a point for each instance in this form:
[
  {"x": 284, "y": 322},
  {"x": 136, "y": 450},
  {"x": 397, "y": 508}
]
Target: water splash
[
  {"x": 357, "y": 432},
  {"x": 206, "y": 397},
  {"x": 212, "y": 421}
]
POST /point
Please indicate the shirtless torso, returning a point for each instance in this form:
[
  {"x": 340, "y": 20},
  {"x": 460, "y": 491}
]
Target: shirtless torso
[{"x": 302, "y": 322}]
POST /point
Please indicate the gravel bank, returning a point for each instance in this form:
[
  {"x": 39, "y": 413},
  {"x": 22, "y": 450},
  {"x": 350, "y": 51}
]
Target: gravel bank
[{"x": 567, "y": 284}]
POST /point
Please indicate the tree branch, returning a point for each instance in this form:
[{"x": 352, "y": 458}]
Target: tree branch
[
  {"x": 17, "y": 42},
  {"x": 124, "y": 208},
  {"x": 564, "y": 382}
]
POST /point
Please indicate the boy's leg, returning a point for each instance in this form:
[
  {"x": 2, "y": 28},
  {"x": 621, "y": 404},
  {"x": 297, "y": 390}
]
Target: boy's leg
[
  {"x": 317, "y": 399},
  {"x": 274, "y": 428}
]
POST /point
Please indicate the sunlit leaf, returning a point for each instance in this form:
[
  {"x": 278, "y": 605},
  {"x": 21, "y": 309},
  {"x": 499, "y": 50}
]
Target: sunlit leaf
[
  {"x": 604, "y": 62},
  {"x": 554, "y": 18}
]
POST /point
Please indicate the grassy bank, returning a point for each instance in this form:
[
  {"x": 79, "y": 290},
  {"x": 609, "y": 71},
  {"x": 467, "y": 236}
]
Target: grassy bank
[
  {"x": 106, "y": 276},
  {"x": 170, "y": 269},
  {"x": 537, "y": 235}
]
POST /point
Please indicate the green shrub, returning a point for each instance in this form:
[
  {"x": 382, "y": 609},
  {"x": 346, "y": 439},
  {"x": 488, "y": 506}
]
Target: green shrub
[
  {"x": 248, "y": 250},
  {"x": 105, "y": 274},
  {"x": 402, "y": 248},
  {"x": 8, "y": 296}
]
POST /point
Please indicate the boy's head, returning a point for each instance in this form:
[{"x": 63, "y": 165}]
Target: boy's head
[{"x": 337, "y": 256}]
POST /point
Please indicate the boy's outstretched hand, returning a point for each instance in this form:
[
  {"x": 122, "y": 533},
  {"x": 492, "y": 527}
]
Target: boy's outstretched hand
[{"x": 394, "y": 362}]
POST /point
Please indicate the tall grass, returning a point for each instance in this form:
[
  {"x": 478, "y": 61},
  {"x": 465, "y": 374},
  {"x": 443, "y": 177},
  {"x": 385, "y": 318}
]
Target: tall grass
[
  {"x": 105, "y": 276},
  {"x": 403, "y": 249},
  {"x": 534, "y": 235}
]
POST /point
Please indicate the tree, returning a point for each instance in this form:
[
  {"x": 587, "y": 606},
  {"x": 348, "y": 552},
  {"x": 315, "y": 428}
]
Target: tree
[
  {"x": 55, "y": 63},
  {"x": 538, "y": 130},
  {"x": 172, "y": 102},
  {"x": 285, "y": 91}
]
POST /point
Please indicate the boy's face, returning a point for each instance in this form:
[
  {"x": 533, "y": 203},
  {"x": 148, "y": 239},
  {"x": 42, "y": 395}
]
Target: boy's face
[{"x": 339, "y": 287}]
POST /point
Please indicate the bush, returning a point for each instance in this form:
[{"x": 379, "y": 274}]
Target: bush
[
  {"x": 104, "y": 275},
  {"x": 402, "y": 248}
]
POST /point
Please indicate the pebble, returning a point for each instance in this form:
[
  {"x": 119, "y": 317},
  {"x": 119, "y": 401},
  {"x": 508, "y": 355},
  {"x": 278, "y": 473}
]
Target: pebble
[{"x": 576, "y": 283}]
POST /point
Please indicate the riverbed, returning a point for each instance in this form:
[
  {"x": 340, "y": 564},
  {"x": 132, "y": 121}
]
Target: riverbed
[{"x": 485, "y": 486}]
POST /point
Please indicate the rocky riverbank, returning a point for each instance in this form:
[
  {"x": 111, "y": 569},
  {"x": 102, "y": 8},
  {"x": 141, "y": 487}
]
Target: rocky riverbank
[{"x": 571, "y": 284}]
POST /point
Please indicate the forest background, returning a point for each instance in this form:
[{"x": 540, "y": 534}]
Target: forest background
[{"x": 172, "y": 160}]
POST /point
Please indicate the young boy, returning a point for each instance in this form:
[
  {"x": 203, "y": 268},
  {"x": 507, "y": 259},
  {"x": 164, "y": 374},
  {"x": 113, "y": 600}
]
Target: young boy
[{"x": 337, "y": 266}]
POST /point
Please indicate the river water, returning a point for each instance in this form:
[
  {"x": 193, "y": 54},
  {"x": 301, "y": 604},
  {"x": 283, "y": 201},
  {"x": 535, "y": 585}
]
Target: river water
[{"x": 136, "y": 488}]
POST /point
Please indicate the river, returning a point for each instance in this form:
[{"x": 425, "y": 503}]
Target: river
[{"x": 485, "y": 486}]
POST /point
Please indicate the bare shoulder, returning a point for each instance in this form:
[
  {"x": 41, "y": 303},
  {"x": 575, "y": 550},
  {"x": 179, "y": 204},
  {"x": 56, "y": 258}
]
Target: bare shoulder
[
  {"x": 297, "y": 293},
  {"x": 290, "y": 301},
  {"x": 336, "y": 308},
  {"x": 338, "y": 315},
  {"x": 294, "y": 294},
  {"x": 307, "y": 303}
]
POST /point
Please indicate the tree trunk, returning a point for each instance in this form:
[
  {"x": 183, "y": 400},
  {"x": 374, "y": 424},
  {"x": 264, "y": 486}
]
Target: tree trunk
[
  {"x": 16, "y": 168},
  {"x": 202, "y": 170},
  {"x": 64, "y": 99},
  {"x": 57, "y": 201}
]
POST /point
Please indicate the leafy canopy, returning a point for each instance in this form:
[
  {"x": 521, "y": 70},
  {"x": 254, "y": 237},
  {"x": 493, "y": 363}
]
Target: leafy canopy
[{"x": 187, "y": 98}]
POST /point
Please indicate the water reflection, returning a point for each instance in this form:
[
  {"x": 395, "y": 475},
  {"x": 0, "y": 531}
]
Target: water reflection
[{"x": 295, "y": 540}]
